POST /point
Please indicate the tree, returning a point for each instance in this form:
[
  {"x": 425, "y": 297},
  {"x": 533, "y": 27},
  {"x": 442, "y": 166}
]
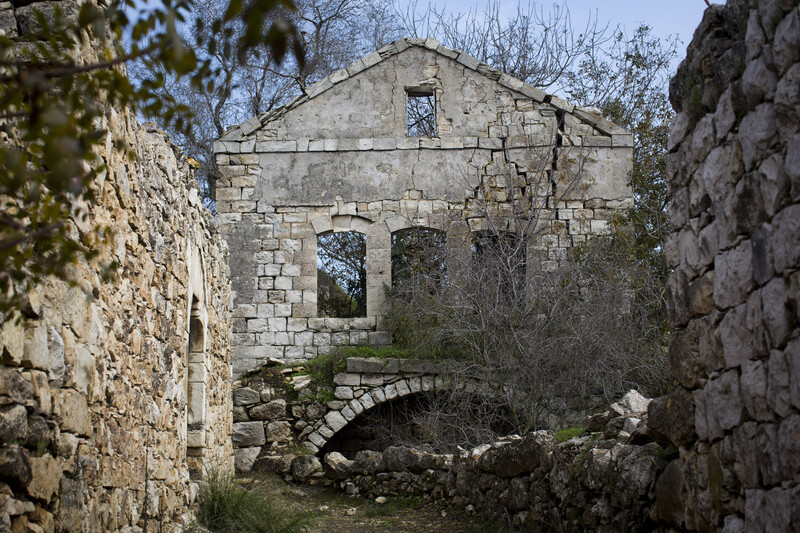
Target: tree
[
  {"x": 332, "y": 33},
  {"x": 537, "y": 47},
  {"x": 54, "y": 97},
  {"x": 628, "y": 81},
  {"x": 544, "y": 336}
]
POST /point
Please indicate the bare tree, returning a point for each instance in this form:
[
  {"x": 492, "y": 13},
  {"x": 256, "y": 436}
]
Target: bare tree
[
  {"x": 536, "y": 46},
  {"x": 332, "y": 33}
]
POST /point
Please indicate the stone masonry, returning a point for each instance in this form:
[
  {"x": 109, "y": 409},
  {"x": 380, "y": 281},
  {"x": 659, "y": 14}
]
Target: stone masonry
[
  {"x": 734, "y": 295},
  {"x": 265, "y": 426},
  {"x": 114, "y": 395},
  {"x": 340, "y": 159}
]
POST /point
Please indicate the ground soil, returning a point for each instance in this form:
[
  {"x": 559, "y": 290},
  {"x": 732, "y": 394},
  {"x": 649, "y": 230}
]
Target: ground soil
[{"x": 328, "y": 510}]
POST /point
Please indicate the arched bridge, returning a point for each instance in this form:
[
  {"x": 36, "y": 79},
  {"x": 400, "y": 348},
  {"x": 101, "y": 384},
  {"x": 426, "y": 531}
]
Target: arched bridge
[{"x": 369, "y": 382}]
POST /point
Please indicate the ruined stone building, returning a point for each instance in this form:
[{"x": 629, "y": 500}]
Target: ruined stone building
[{"x": 415, "y": 135}]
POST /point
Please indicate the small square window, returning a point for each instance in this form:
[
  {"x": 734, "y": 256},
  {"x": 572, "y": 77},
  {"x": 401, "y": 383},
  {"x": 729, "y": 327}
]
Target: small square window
[{"x": 420, "y": 112}]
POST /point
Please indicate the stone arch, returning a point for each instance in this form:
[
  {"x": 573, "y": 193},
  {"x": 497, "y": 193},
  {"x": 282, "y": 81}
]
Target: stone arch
[
  {"x": 341, "y": 223},
  {"x": 336, "y": 420}
]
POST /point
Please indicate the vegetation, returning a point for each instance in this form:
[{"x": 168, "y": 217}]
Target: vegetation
[
  {"x": 54, "y": 101},
  {"x": 563, "y": 435},
  {"x": 226, "y": 506}
]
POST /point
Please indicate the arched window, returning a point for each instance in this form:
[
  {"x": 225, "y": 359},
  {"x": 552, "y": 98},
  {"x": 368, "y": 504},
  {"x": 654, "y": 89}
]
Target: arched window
[
  {"x": 342, "y": 274},
  {"x": 418, "y": 259}
]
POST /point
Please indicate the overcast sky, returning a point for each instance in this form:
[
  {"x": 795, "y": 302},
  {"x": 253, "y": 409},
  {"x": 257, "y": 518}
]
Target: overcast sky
[{"x": 666, "y": 17}]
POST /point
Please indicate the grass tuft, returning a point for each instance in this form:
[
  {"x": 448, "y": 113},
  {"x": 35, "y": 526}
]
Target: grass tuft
[
  {"x": 563, "y": 435},
  {"x": 225, "y": 506}
]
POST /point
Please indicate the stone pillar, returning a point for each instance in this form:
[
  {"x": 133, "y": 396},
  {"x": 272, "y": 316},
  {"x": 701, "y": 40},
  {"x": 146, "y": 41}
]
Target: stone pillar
[{"x": 379, "y": 268}]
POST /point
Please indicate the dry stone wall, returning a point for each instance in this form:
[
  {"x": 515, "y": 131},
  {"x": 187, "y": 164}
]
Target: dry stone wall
[
  {"x": 734, "y": 296},
  {"x": 105, "y": 415},
  {"x": 340, "y": 159}
]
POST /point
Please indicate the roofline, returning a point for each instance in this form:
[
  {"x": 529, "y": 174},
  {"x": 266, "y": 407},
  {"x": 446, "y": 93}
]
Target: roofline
[{"x": 583, "y": 114}]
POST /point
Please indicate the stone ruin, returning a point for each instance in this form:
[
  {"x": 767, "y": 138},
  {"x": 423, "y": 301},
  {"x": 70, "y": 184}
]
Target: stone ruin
[
  {"x": 346, "y": 158},
  {"x": 113, "y": 394}
]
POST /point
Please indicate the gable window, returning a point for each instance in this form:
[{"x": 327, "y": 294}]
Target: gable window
[{"x": 420, "y": 112}]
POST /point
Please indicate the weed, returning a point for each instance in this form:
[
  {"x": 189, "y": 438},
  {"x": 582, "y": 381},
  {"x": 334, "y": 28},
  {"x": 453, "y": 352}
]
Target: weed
[
  {"x": 563, "y": 435},
  {"x": 226, "y": 506}
]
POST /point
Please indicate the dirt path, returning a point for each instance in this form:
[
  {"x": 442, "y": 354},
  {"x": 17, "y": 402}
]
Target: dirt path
[{"x": 330, "y": 511}]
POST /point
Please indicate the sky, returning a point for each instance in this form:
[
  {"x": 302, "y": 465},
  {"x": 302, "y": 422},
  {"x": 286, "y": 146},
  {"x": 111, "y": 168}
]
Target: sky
[{"x": 666, "y": 17}]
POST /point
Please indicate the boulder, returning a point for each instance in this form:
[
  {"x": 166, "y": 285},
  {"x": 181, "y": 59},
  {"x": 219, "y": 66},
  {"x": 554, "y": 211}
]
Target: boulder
[
  {"x": 337, "y": 466},
  {"x": 518, "y": 457},
  {"x": 632, "y": 403},
  {"x": 304, "y": 466}
]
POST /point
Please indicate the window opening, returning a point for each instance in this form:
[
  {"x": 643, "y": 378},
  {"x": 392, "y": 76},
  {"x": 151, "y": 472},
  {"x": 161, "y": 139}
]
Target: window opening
[
  {"x": 500, "y": 259},
  {"x": 418, "y": 259},
  {"x": 420, "y": 112},
  {"x": 341, "y": 275}
]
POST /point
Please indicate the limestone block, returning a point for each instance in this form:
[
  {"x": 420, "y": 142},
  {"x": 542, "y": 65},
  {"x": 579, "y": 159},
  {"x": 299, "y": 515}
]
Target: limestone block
[
  {"x": 325, "y": 431},
  {"x": 72, "y": 412},
  {"x": 280, "y": 431},
  {"x": 274, "y": 410},
  {"x": 724, "y": 408},
  {"x": 350, "y": 378},
  {"x": 248, "y": 434},
  {"x": 754, "y": 390},
  {"x": 789, "y": 447},
  {"x": 786, "y": 45},
  {"x": 757, "y": 134},
  {"x": 317, "y": 439},
  {"x": 367, "y": 401},
  {"x": 343, "y": 393},
  {"x": 348, "y": 413},
  {"x": 12, "y": 340},
  {"x": 36, "y": 353},
  {"x": 335, "y": 420},
  {"x": 733, "y": 278},
  {"x": 13, "y": 424},
  {"x": 245, "y": 396},
  {"x": 786, "y": 238},
  {"x": 245, "y": 458},
  {"x": 196, "y": 438}
]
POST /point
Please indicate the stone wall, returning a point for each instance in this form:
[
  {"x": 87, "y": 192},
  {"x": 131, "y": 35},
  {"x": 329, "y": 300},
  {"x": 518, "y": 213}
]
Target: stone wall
[
  {"x": 734, "y": 296},
  {"x": 267, "y": 426},
  {"x": 602, "y": 480},
  {"x": 105, "y": 415},
  {"x": 340, "y": 159}
]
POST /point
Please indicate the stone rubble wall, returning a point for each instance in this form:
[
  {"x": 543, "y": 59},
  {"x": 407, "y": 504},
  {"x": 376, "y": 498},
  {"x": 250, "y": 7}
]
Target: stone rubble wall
[
  {"x": 95, "y": 381},
  {"x": 734, "y": 296},
  {"x": 603, "y": 480},
  {"x": 339, "y": 159}
]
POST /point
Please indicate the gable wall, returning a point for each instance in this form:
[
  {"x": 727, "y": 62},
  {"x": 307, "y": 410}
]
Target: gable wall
[{"x": 340, "y": 159}]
